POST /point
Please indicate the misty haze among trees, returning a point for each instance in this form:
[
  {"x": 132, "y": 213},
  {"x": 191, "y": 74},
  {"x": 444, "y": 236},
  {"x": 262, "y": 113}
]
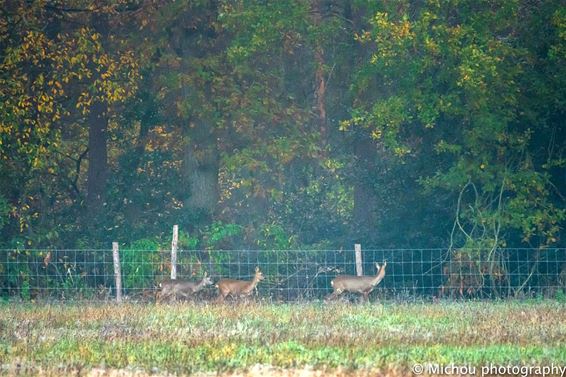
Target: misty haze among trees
[{"x": 283, "y": 124}]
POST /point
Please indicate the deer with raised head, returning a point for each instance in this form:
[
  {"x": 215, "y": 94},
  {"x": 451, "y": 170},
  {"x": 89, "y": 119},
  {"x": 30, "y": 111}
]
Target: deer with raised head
[
  {"x": 238, "y": 288},
  {"x": 357, "y": 284},
  {"x": 172, "y": 288}
]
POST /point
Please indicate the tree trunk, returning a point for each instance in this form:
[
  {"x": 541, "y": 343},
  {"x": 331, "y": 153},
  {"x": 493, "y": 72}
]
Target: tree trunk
[
  {"x": 200, "y": 176},
  {"x": 148, "y": 109},
  {"x": 97, "y": 139},
  {"x": 365, "y": 199},
  {"x": 320, "y": 79},
  {"x": 365, "y": 151},
  {"x": 97, "y": 156}
]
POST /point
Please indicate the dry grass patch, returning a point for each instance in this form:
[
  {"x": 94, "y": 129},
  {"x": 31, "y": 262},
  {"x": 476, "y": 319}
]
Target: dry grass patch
[{"x": 302, "y": 338}]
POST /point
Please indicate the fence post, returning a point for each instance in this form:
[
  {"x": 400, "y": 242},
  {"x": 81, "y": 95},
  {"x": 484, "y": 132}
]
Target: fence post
[
  {"x": 359, "y": 266},
  {"x": 174, "y": 244},
  {"x": 117, "y": 271}
]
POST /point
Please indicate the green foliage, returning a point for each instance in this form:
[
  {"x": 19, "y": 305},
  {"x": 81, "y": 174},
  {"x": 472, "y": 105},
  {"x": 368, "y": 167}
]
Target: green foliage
[
  {"x": 4, "y": 212},
  {"x": 51, "y": 76},
  {"x": 140, "y": 263},
  {"x": 187, "y": 242},
  {"x": 560, "y": 296},
  {"x": 455, "y": 84},
  {"x": 17, "y": 274},
  {"x": 274, "y": 237},
  {"x": 286, "y": 124},
  {"x": 219, "y": 234}
]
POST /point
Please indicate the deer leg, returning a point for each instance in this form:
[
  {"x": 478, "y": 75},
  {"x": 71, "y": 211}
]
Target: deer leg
[
  {"x": 366, "y": 293},
  {"x": 334, "y": 295},
  {"x": 173, "y": 296},
  {"x": 221, "y": 297},
  {"x": 251, "y": 297},
  {"x": 163, "y": 295},
  {"x": 185, "y": 296}
]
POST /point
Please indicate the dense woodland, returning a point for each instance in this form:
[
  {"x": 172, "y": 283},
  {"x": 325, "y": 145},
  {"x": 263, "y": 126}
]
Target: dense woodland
[{"x": 283, "y": 124}]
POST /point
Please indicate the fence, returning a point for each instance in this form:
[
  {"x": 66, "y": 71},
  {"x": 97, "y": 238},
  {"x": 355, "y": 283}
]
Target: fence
[{"x": 289, "y": 274}]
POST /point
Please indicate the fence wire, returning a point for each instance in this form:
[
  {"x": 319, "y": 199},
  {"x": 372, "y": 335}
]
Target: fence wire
[{"x": 290, "y": 275}]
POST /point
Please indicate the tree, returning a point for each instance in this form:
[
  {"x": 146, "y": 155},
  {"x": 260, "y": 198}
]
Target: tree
[
  {"x": 454, "y": 89},
  {"x": 53, "y": 74}
]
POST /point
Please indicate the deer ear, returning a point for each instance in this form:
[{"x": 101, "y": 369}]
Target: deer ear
[
  {"x": 377, "y": 266},
  {"x": 256, "y": 269},
  {"x": 205, "y": 273}
]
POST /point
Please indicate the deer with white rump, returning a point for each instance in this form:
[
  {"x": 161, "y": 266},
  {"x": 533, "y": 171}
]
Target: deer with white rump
[
  {"x": 357, "y": 284},
  {"x": 173, "y": 287},
  {"x": 238, "y": 288}
]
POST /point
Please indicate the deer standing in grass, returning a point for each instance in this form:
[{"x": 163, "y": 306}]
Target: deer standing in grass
[
  {"x": 357, "y": 284},
  {"x": 238, "y": 288},
  {"x": 183, "y": 288}
]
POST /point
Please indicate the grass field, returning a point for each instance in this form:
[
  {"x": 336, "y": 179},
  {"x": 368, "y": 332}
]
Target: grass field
[{"x": 276, "y": 339}]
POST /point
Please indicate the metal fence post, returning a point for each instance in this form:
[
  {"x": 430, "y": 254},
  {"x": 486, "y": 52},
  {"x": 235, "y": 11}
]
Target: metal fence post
[
  {"x": 174, "y": 244},
  {"x": 359, "y": 265},
  {"x": 117, "y": 271}
]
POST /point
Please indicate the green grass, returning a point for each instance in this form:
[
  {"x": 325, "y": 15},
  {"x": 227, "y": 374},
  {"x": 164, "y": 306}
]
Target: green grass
[{"x": 187, "y": 338}]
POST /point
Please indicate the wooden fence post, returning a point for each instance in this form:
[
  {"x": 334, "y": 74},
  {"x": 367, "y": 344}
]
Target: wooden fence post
[
  {"x": 117, "y": 271},
  {"x": 359, "y": 265},
  {"x": 174, "y": 244}
]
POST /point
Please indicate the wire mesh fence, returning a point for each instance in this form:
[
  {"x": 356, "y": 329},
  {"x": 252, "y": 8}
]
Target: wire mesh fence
[{"x": 290, "y": 275}]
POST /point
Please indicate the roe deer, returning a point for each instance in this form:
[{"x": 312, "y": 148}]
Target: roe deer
[
  {"x": 357, "y": 284},
  {"x": 238, "y": 288},
  {"x": 184, "y": 288}
]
